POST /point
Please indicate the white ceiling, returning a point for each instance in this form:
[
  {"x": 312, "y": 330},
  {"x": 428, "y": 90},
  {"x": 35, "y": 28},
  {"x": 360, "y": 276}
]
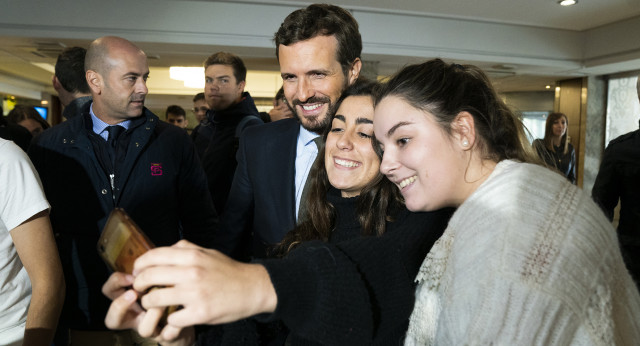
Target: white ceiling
[
  {"x": 524, "y": 44},
  {"x": 587, "y": 14}
]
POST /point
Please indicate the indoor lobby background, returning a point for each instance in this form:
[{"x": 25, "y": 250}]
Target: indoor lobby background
[{"x": 582, "y": 60}]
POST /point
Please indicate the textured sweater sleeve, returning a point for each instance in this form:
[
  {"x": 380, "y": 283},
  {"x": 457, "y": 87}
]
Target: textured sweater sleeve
[{"x": 358, "y": 291}]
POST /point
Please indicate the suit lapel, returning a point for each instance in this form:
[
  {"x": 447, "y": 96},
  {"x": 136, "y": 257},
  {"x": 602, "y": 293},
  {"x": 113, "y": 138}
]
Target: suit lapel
[{"x": 283, "y": 164}]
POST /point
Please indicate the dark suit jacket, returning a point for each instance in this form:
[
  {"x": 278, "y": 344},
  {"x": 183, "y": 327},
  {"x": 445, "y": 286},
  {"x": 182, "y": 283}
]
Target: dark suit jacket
[{"x": 260, "y": 209}]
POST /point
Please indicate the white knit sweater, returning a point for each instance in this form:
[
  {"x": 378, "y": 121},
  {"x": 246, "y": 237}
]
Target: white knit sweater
[{"x": 527, "y": 259}]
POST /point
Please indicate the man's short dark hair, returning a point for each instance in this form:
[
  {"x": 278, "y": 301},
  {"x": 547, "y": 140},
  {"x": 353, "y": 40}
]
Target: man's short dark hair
[
  {"x": 229, "y": 59},
  {"x": 325, "y": 20},
  {"x": 198, "y": 97},
  {"x": 175, "y": 110},
  {"x": 70, "y": 70}
]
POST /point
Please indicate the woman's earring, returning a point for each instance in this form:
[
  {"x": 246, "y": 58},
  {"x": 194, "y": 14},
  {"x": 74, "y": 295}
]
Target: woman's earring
[{"x": 465, "y": 143}]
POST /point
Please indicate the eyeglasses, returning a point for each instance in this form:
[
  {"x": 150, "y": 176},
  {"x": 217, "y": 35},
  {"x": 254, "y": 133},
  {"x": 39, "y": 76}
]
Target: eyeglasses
[{"x": 201, "y": 109}]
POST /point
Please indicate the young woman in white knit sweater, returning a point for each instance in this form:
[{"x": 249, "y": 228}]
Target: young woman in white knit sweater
[{"x": 528, "y": 258}]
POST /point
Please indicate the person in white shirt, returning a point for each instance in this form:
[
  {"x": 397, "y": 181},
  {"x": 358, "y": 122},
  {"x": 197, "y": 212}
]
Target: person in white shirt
[{"x": 31, "y": 279}]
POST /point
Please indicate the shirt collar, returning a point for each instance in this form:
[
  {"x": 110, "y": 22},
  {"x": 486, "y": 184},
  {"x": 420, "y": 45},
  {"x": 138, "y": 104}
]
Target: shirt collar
[
  {"x": 99, "y": 126},
  {"x": 306, "y": 137}
]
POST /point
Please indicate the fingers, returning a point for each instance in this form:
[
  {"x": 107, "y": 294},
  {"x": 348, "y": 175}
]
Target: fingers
[
  {"x": 170, "y": 332},
  {"x": 123, "y": 312},
  {"x": 161, "y": 297},
  {"x": 183, "y": 318},
  {"x": 116, "y": 285},
  {"x": 186, "y": 245},
  {"x": 159, "y": 276},
  {"x": 181, "y": 253},
  {"x": 149, "y": 323}
]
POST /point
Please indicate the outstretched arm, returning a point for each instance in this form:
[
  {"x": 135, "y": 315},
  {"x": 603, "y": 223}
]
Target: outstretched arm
[
  {"x": 37, "y": 250},
  {"x": 211, "y": 287}
]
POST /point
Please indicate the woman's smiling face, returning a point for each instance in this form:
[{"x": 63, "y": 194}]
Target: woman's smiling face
[
  {"x": 350, "y": 159},
  {"x": 419, "y": 156}
]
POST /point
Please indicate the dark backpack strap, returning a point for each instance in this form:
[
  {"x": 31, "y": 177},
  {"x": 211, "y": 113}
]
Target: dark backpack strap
[{"x": 243, "y": 123}]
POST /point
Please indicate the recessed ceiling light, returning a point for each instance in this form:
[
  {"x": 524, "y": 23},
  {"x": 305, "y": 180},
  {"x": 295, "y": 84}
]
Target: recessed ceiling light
[
  {"x": 567, "y": 2},
  {"x": 548, "y": 87}
]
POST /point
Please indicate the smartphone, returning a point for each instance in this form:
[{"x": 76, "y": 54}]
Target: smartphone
[{"x": 122, "y": 241}]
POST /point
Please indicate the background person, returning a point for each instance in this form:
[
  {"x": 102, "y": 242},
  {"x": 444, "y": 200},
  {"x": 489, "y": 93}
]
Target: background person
[
  {"x": 69, "y": 81},
  {"x": 16, "y": 133},
  {"x": 554, "y": 149},
  {"x": 524, "y": 247},
  {"x": 231, "y": 111},
  {"x": 280, "y": 109},
  {"x": 619, "y": 180},
  {"x": 201, "y": 134},
  {"x": 29, "y": 118},
  {"x": 176, "y": 115}
]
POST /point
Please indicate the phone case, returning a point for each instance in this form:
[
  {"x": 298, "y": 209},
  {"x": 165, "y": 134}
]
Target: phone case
[{"x": 122, "y": 241}]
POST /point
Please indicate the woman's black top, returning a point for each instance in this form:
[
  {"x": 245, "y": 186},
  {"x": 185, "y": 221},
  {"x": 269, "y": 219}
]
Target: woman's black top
[
  {"x": 563, "y": 163},
  {"x": 354, "y": 290}
]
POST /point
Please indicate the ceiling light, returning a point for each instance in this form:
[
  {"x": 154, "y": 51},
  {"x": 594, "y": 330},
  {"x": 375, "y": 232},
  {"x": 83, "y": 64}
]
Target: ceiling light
[
  {"x": 45, "y": 66},
  {"x": 548, "y": 87},
  {"x": 567, "y": 2},
  {"x": 193, "y": 77}
]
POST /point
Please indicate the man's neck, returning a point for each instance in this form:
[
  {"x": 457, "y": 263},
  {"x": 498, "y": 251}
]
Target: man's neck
[{"x": 100, "y": 114}]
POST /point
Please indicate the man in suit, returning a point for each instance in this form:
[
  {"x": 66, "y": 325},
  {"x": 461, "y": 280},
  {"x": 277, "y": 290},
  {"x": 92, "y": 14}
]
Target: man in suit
[{"x": 318, "y": 49}]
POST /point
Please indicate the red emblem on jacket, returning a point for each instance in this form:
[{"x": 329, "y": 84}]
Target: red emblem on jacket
[{"x": 156, "y": 169}]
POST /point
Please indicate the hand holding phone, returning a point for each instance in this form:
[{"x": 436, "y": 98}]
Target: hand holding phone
[{"x": 121, "y": 243}]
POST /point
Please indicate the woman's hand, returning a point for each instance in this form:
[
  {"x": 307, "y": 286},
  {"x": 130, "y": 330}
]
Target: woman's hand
[
  {"x": 125, "y": 313},
  {"x": 210, "y": 287}
]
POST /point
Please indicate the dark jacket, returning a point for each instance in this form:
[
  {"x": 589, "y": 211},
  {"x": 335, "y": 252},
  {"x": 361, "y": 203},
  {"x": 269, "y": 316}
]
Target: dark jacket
[
  {"x": 261, "y": 203},
  {"x": 76, "y": 106},
  {"x": 619, "y": 180},
  {"x": 159, "y": 182},
  {"x": 16, "y": 133},
  {"x": 201, "y": 136},
  {"x": 219, "y": 160},
  {"x": 564, "y": 163}
]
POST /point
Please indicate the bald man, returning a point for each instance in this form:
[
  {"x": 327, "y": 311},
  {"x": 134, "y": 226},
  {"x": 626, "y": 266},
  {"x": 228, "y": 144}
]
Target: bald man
[{"x": 116, "y": 153}]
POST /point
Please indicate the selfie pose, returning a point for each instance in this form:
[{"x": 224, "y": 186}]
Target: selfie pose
[{"x": 347, "y": 277}]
